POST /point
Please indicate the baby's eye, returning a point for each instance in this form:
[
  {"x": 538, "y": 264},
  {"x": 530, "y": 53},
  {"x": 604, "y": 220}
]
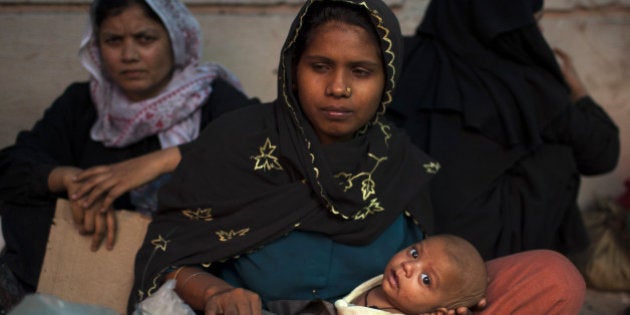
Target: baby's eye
[
  {"x": 413, "y": 252},
  {"x": 425, "y": 279}
]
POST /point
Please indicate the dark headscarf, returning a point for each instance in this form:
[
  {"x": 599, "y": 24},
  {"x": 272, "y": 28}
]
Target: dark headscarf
[
  {"x": 488, "y": 61},
  {"x": 259, "y": 173}
]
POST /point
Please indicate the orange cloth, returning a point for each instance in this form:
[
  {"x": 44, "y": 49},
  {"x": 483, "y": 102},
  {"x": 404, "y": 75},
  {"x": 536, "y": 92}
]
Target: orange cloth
[{"x": 534, "y": 282}]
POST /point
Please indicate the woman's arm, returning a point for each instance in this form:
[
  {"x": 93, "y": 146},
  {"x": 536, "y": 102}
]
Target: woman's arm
[
  {"x": 26, "y": 166},
  {"x": 103, "y": 184},
  {"x": 570, "y": 75},
  {"x": 203, "y": 291},
  {"x": 585, "y": 126},
  {"x": 108, "y": 182}
]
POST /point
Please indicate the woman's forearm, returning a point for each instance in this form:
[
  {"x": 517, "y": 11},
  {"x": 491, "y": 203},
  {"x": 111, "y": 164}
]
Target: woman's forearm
[
  {"x": 195, "y": 285},
  {"x": 168, "y": 159}
]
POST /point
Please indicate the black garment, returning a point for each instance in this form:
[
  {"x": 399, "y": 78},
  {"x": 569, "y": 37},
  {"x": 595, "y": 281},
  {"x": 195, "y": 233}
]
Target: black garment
[
  {"x": 61, "y": 138},
  {"x": 482, "y": 93},
  {"x": 258, "y": 173}
]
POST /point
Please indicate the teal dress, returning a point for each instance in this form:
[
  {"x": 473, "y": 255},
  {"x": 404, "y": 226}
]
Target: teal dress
[{"x": 326, "y": 270}]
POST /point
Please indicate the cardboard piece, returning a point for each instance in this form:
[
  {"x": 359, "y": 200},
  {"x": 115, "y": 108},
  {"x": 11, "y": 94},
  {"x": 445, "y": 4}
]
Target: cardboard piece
[{"x": 74, "y": 273}]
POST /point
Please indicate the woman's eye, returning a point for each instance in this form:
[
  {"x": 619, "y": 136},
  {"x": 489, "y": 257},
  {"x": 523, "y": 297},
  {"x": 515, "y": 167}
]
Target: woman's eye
[
  {"x": 112, "y": 40},
  {"x": 413, "y": 252},
  {"x": 425, "y": 279},
  {"x": 144, "y": 39},
  {"x": 360, "y": 72},
  {"x": 319, "y": 67}
]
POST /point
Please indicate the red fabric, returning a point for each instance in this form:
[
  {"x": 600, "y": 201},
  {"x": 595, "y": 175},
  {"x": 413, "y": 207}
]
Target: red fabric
[
  {"x": 534, "y": 282},
  {"x": 624, "y": 199}
]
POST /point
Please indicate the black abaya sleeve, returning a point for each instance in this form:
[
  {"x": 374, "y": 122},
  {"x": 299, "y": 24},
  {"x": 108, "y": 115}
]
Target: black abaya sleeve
[
  {"x": 25, "y": 166},
  {"x": 592, "y": 135}
]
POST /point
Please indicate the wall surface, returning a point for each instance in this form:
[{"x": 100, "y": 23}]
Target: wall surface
[{"x": 39, "y": 41}]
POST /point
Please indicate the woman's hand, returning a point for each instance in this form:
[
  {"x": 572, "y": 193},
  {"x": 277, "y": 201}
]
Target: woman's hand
[
  {"x": 460, "y": 310},
  {"x": 233, "y": 301},
  {"x": 570, "y": 75},
  {"x": 103, "y": 184},
  {"x": 61, "y": 179},
  {"x": 88, "y": 220},
  {"x": 444, "y": 311},
  {"x": 102, "y": 225},
  {"x": 203, "y": 291},
  {"x": 465, "y": 311}
]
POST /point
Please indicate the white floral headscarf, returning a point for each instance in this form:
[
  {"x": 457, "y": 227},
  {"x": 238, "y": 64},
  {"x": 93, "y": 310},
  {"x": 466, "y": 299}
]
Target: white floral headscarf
[{"x": 175, "y": 114}]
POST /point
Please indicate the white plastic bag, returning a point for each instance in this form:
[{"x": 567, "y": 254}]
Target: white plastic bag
[
  {"x": 38, "y": 303},
  {"x": 164, "y": 302}
]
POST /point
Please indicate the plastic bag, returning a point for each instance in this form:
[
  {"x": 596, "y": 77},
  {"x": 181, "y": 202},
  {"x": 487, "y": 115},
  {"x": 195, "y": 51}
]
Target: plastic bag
[
  {"x": 164, "y": 302},
  {"x": 606, "y": 264},
  {"x": 48, "y": 304}
]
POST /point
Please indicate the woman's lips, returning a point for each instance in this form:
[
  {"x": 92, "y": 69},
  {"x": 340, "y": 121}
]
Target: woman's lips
[
  {"x": 133, "y": 73},
  {"x": 336, "y": 113}
]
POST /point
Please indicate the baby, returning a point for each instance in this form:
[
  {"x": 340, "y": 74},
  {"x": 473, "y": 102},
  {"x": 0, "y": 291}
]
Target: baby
[{"x": 438, "y": 274}]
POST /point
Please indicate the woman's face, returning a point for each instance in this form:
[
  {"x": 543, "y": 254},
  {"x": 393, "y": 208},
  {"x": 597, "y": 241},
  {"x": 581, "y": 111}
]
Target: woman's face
[
  {"x": 136, "y": 53},
  {"x": 340, "y": 80}
]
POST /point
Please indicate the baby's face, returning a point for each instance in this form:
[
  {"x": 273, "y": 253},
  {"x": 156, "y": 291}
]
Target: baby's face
[{"x": 416, "y": 278}]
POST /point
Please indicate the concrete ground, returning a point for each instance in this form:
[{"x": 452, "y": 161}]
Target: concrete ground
[{"x": 605, "y": 303}]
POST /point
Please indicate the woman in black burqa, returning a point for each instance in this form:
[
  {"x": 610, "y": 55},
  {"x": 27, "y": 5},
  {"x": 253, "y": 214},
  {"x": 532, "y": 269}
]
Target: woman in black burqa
[{"x": 481, "y": 92}]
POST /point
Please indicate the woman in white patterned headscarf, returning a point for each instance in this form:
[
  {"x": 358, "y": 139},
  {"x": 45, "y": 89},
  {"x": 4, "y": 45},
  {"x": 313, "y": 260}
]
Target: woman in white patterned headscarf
[
  {"x": 98, "y": 143},
  {"x": 173, "y": 109}
]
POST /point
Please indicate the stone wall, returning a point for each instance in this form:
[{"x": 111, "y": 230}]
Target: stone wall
[{"x": 39, "y": 41}]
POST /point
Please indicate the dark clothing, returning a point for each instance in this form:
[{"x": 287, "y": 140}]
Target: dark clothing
[
  {"x": 482, "y": 93},
  {"x": 260, "y": 173},
  {"x": 62, "y": 138}
]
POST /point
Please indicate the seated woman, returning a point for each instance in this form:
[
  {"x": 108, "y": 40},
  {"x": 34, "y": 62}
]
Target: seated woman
[
  {"x": 514, "y": 130},
  {"x": 147, "y": 92},
  {"x": 308, "y": 196}
]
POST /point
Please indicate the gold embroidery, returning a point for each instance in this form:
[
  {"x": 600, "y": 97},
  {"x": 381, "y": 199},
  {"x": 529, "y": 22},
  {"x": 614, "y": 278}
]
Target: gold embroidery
[
  {"x": 372, "y": 208},
  {"x": 155, "y": 285},
  {"x": 160, "y": 243},
  {"x": 386, "y": 130},
  {"x": 432, "y": 167},
  {"x": 199, "y": 214},
  {"x": 225, "y": 236},
  {"x": 266, "y": 161},
  {"x": 368, "y": 187},
  {"x": 336, "y": 212},
  {"x": 409, "y": 215}
]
